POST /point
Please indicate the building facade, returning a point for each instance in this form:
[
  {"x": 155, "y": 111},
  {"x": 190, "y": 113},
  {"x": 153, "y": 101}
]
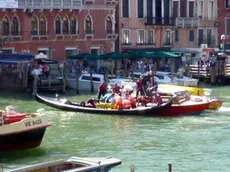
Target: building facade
[
  {"x": 145, "y": 24},
  {"x": 196, "y": 22},
  {"x": 59, "y": 28},
  {"x": 224, "y": 20}
]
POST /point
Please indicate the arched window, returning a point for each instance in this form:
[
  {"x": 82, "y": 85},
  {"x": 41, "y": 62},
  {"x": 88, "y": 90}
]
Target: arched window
[
  {"x": 15, "y": 26},
  {"x": 88, "y": 25},
  {"x": 109, "y": 25},
  {"x": 58, "y": 25},
  {"x": 73, "y": 29},
  {"x": 34, "y": 26},
  {"x": 42, "y": 26},
  {"x": 6, "y": 26},
  {"x": 65, "y": 26}
]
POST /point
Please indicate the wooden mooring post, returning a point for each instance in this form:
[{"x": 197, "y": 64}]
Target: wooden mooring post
[{"x": 170, "y": 167}]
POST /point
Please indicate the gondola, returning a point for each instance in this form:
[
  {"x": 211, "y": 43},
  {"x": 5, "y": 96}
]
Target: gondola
[{"x": 65, "y": 104}]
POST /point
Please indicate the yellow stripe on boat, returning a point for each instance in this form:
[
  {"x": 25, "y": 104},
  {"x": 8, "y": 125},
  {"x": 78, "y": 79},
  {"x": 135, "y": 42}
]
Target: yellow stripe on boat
[{"x": 192, "y": 90}]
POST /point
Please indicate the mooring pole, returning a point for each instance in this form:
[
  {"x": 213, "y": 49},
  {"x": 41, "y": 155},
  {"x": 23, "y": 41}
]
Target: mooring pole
[{"x": 170, "y": 167}]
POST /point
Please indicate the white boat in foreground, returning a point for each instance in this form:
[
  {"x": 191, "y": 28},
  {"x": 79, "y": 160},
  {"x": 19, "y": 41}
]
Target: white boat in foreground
[{"x": 73, "y": 164}]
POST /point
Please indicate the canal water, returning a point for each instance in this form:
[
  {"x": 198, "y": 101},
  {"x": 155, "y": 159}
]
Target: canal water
[{"x": 193, "y": 143}]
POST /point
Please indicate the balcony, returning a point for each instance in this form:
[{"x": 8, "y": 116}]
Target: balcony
[
  {"x": 148, "y": 44},
  {"x": 88, "y": 1},
  {"x": 126, "y": 44},
  {"x": 167, "y": 43},
  {"x": 187, "y": 22},
  {"x": 111, "y": 1},
  {"x": 49, "y": 4},
  {"x": 159, "y": 21},
  {"x": 111, "y": 34}
]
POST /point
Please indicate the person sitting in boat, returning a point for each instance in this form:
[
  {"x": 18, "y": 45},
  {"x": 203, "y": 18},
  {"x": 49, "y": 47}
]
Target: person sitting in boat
[
  {"x": 116, "y": 89},
  {"x": 108, "y": 98},
  {"x": 102, "y": 90}
]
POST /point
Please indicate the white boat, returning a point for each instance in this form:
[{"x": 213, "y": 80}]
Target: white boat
[
  {"x": 122, "y": 82},
  {"x": 166, "y": 78},
  {"x": 85, "y": 82},
  {"x": 73, "y": 164}
]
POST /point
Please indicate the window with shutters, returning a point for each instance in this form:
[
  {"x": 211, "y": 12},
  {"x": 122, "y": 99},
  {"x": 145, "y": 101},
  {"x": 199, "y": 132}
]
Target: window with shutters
[
  {"x": 126, "y": 36},
  {"x": 211, "y": 10},
  {"x": 227, "y": 3},
  {"x": 42, "y": 26},
  {"x": 191, "y": 35},
  {"x": 227, "y": 24},
  {"x": 58, "y": 25},
  {"x": 65, "y": 27},
  {"x": 177, "y": 36},
  {"x": 150, "y": 38},
  {"x": 200, "y": 10},
  {"x": 125, "y": 8},
  {"x": 140, "y": 36},
  {"x": 140, "y": 9},
  {"x": 15, "y": 26},
  {"x": 34, "y": 26}
]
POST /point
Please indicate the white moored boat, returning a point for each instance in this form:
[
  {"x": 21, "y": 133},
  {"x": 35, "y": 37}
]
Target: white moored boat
[{"x": 73, "y": 164}]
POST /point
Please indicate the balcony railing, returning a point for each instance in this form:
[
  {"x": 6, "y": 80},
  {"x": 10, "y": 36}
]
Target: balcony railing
[
  {"x": 49, "y": 4},
  {"x": 126, "y": 43},
  {"x": 159, "y": 21},
  {"x": 109, "y": 32},
  {"x": 187, "y": 22},
  {"x": 145, "y": 44},
  {"x": 111, "y": 1},
  {"x": 89, "y": 32}
]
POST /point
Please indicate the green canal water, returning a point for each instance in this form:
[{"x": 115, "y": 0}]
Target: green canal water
[{"x": 193, "y": 143}]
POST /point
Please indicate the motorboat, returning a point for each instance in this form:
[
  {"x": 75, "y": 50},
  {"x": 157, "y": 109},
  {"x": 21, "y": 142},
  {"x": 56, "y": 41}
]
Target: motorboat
[
  {"x": 122, "y": 82},
  {"x": 192, "y": 90},
  {"x": 21, "y": 131},
  {"x": 166, "y": 78},
  {"x": 186, "y": 104},
  {"x": 73, "y": 164},
  {"x": 85, "y": 82},
  {"x": 67, "y": 105}
]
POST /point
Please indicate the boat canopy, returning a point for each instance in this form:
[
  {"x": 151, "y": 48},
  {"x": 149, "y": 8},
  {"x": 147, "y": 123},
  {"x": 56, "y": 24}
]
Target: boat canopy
[{"x": 15, "y": 58}]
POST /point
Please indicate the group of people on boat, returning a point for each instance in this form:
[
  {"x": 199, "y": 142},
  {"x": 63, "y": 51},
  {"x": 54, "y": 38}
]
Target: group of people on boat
[{"x": 124, "y": 98}]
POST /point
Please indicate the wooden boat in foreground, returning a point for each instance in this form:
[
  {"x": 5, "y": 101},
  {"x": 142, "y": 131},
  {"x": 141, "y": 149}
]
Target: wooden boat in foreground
[
  {"x": 73, "y": 164},
  {"x": 65, "y": 104},
  {"x": 21, "y": 131}
]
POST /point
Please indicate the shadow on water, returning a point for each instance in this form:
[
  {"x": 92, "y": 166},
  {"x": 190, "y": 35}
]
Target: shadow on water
[{"x": 21, "y": 154}]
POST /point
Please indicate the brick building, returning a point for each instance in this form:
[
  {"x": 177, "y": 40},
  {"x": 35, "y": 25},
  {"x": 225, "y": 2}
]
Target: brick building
[{"x": 59, "y": 28}]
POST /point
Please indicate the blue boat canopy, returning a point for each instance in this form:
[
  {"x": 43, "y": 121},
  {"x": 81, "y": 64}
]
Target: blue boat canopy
[{"x": 15, "y": 58}]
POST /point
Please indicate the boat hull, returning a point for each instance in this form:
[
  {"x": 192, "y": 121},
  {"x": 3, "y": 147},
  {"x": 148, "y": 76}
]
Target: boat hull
[
  {"x": 183, "y": 110},
  {"x": 22, "y": 140},
  {"x": 150, "y": 111},
  {"x": 215, "y": 104}
]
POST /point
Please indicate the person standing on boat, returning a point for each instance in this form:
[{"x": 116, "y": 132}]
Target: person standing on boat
[
  {"x": 153, "y": 84},
  {"x": 102, "y": 90},
  {"x": 140, "y": 87},
  {"x": 116, "y": 89}
]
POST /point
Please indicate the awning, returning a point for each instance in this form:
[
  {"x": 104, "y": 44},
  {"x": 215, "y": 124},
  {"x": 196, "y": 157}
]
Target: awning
[
  {"x": 84, "y": 56},
  {"x": 16, "y": 56},
  {"x": 115, "y": 56},
  {"x": 10, "y": 62},
  {"x": 168, "y": 55}
]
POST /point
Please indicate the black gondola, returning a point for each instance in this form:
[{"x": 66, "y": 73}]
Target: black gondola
[{"x": 65, "y": 104}]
